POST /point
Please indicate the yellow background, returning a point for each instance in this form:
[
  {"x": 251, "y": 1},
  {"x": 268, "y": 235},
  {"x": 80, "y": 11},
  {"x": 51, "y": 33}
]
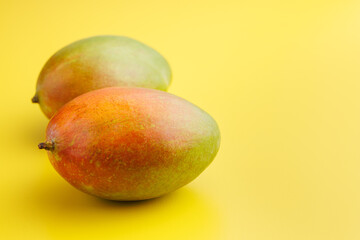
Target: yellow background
[{"x": 282, "y": 78}]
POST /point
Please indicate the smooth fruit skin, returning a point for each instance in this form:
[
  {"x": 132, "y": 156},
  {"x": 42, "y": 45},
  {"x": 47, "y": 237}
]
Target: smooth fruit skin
[
  {"x": 99, "y": 62},
  {"x": 130, "y": 143}
]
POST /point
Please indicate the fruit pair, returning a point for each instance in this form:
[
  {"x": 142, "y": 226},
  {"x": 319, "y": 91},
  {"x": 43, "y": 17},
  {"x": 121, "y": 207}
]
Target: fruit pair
[{"x": 115, "y": 137}]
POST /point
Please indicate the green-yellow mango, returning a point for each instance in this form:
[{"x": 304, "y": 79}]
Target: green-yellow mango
[{"x": 99, "y": 62}]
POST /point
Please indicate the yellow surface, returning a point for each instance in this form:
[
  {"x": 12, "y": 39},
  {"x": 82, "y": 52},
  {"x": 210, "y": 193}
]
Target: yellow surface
[{"x": 282, "y": 78}]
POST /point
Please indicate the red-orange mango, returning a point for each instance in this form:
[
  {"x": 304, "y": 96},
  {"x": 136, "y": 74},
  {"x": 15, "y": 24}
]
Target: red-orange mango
[
  {"x": 99, "y": 62},
  {"x": 130, "y": 143}
]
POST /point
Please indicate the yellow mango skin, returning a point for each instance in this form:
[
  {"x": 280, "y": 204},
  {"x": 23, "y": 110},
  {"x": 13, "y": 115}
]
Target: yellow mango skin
[
  {"x": 131, "y": 143},
  {"x": 95, "y": 63}
]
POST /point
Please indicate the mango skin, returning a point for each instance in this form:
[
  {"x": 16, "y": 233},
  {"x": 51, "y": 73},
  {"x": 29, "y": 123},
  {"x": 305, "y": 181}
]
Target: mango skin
[
  {"x": 99, "y": 62},
  {"x": 131, "y": 143}
]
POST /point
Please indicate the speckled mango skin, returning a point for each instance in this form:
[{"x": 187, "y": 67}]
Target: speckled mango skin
[
  {"x": 131, "y": 143},
  {"x": 99, "y": 62}
]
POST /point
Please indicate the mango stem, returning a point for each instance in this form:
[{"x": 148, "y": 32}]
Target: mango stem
[
  {"x": 49, "y": 146},
  {"x": 35, "y": 99}
]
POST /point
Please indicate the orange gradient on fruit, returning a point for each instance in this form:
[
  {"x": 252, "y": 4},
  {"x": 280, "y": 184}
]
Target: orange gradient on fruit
[{"x": 130, "y": 143}]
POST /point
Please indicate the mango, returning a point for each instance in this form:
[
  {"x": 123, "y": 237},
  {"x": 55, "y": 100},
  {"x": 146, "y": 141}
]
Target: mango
[
  {"x": 99, "y": 62},
  {"x": 130, "y": 143}
]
